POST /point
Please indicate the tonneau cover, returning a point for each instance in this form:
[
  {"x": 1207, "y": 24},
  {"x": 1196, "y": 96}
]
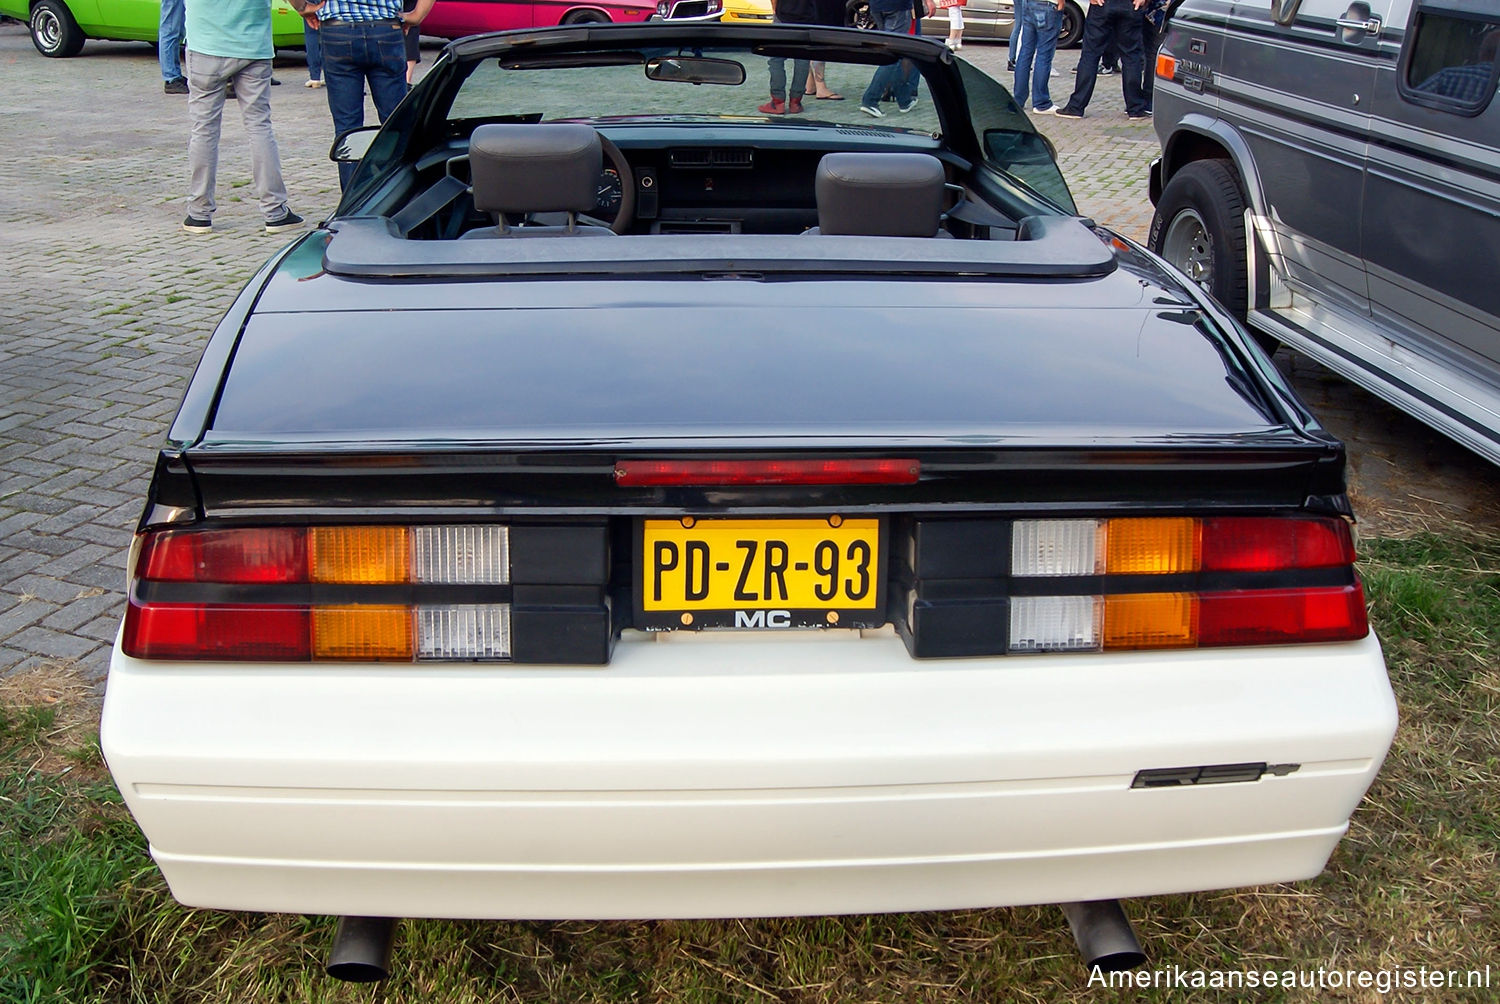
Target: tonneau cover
[{"x": 1056, "y": 247}]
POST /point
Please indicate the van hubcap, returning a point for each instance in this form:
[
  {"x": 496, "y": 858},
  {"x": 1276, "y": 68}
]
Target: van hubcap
[{"x": 1189, "y": 247}]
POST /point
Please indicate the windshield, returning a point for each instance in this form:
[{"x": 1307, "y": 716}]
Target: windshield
[{"x": 546, "y": 92}]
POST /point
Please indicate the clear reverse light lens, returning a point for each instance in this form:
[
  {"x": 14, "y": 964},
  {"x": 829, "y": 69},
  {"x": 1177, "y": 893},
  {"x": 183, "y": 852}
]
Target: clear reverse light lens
[
  {"x": 1056, "y": 547},
  {"x": 1055, "y": 623},
  {"x": 464, "y": 631},
  {"x": 462, "y": 555}
]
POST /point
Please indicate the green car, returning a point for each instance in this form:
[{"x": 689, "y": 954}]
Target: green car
[{"x": 60, "y": 27}]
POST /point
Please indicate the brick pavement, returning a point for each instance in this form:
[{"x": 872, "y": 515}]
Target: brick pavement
[{"x": 105, "y": 305}]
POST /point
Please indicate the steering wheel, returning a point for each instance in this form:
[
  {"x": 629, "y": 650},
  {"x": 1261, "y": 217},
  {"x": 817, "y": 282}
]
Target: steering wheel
[{"x": 625, "y": 215}]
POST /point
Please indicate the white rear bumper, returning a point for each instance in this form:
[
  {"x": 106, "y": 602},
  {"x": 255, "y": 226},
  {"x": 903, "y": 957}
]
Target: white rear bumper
[{"x": 734, "y": 776}]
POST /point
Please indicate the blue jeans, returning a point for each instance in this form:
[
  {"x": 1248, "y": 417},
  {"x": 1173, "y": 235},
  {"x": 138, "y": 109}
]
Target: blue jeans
[
  {"x": 777, "y": 65},
  {"x": 900, "y": 75},
  {"x": 1116, "y": 23},
  {"x": 355, "y": 52},
  {"x": 1039, "y": 23},
  {"x": 314, "y": 52},
  {"x": 169, "y": 39},
  {"x": 778, "y": 77}
]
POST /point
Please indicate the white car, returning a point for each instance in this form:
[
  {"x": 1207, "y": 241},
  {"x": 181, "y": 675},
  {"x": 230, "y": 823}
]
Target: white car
[{"x": 663, "y": 510}]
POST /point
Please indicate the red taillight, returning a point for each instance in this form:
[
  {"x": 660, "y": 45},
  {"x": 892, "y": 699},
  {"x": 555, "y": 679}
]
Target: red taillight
[
  {"x": 1179, "y": 582},
  {"x": 1274, "y": 545},
  {"x": 262, "y": 555},
  {"x": 712, "y": 473},
  {"x": 279, "y": 594},
  {"x": 1272, "y": 617},
  {"x": 207, "y": 632}
]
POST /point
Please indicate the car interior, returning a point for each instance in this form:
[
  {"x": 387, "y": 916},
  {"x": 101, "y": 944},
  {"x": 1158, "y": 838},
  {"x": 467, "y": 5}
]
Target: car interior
[{"x": 518, "y": 180}]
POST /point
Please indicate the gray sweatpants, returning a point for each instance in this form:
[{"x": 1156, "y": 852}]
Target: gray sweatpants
[{"x": 207, "y": 76}]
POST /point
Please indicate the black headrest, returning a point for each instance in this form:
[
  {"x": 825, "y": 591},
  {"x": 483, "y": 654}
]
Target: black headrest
[
  {"x": 538, "y": 168},
  {"x": 880, "y": 194}
]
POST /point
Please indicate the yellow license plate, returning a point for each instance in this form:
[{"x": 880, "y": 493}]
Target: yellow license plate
[{"x": 760, "y": 573}]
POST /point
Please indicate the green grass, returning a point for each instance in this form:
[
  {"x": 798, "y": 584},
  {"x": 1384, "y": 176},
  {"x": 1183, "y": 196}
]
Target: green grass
[{"x": 85, "y": 917}]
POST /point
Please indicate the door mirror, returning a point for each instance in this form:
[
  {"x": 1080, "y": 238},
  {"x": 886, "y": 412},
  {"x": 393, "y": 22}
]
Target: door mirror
[{"x": 351, "y": 147}]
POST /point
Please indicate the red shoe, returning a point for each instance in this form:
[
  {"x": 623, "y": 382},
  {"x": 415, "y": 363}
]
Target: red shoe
[
  {"x": 794, "y": 106},
  {"x": 776, "y": 106}
]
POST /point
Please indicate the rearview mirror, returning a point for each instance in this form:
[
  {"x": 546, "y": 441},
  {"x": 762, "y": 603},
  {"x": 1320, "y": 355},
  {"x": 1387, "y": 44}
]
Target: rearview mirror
[{"x": 695, "y": 70}]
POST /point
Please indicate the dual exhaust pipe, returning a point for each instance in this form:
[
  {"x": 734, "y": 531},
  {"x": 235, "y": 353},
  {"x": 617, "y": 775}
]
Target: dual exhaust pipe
[{"x": 362, "y": 945}]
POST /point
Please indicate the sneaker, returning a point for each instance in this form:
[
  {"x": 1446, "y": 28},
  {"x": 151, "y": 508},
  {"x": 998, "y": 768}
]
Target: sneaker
[
  {"x": 1068, "y": 113},
  {"x": 312, "y": 83},
  {"x": 794, "y": 106},
  {"x": 275, "y": 82},
  {"x": 178, "y": 86},
  {"x": 288, "y": 220},
  {"x": 872, "y": 111},
  {"x": 1010, "y": 66},
  {"x": 1105, "y": 71},
  {"x": 776, "y": 106},
  {"x": 1049, "y": 110},
  {"x": 908, "y": 107},
  {"x": 193, "y": 225}
]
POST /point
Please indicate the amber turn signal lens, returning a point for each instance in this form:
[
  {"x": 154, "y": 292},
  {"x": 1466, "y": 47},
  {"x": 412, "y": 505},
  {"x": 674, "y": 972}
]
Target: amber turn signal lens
[
  {"x": 362, "y": 632},
  {"x": 1152, "y": 546},
  {"x": 1151, "y": 620},
  {"x": 1166, "y": 66},
  {"x": 364, "y": 555}
]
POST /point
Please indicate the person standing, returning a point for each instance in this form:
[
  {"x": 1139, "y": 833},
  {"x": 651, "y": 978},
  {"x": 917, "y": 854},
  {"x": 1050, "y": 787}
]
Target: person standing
[
  {"x": 1040, "y": 22},
  {"x": 1153, "y": 21},
  {"x": 900, "y": 76},
  {"x": 314, "y": 55},
  {"x": 362, "y": 42},
  {"x": 413, "y": 43},
  {"x": 955, "y": 9},
  {"x": 169, "y": 47},
  {"x": 784, "y": 100},
  {"x": 229, "y": 43},
  {"x": 1110, "y": 23},
  {"x": 831, "y": 14}
]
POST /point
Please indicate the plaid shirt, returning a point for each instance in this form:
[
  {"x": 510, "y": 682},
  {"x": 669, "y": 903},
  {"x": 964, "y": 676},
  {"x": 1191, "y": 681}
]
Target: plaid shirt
[{"x": 360, "y": 10}]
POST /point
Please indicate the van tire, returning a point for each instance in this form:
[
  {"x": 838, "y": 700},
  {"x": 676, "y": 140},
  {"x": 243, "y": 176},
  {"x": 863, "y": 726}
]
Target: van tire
[{"x": 1199, "y": 227}]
